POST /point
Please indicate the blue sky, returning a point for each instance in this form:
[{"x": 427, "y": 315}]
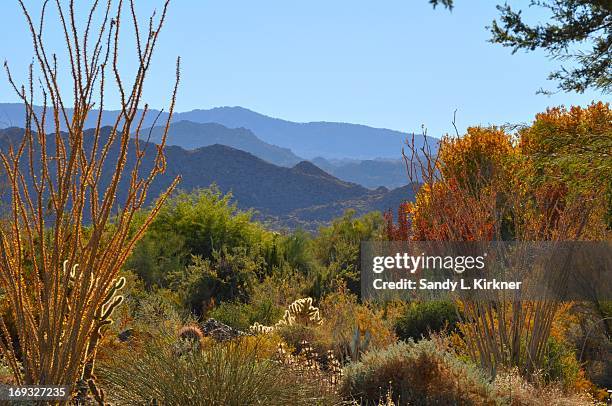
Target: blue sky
[{"x": 390, "y": 63}]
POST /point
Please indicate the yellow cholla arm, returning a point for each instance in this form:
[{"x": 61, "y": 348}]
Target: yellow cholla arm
[{"x": 300, "y": 311}]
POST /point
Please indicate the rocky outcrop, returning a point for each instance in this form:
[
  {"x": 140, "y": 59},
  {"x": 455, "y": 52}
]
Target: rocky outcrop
[{"x": 220, "y": 331}]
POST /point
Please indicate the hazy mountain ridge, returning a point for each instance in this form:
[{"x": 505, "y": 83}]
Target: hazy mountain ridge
[
  {"x": 308, "y": 140},
  {"x": 370, "y": 173},
  {"x": 336, "y": 144},
  {"x": 303, "y": 195},
  {"x": 311, "y": 139},
  {"x": 191, "y": 135}
]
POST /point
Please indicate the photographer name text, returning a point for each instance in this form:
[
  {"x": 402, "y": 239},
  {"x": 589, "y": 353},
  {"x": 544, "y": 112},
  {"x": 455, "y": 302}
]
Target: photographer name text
[{"x": 447, "y": 285}]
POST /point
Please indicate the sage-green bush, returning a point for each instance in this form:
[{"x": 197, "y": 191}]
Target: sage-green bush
[{"x": 425, "y": 373}]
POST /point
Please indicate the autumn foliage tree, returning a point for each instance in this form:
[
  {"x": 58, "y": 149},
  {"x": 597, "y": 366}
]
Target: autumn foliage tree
[
  {"x": 399, "y": 231},
  {"x": 543, "y": 183},
  {"x": 572, "y": 149}
]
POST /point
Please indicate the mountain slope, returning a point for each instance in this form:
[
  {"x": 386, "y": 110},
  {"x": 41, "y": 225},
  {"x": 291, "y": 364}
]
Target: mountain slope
[
  {"x": 303, "y": 195},
  {"x": 309, "y": 168},
  {"x": 190, "y": 135},
  {"x": 370, "y": 173},
  {"x": 255, "y": 183}
]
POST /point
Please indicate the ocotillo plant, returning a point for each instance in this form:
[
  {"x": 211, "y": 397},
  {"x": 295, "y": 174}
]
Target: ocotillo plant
[{"x": 57, "y": 179}]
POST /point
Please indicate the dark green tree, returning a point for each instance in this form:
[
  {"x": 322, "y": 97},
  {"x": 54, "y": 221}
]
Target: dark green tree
[
  {"x": 445, "y": 3},
  {"x": 578, "y": 30}
]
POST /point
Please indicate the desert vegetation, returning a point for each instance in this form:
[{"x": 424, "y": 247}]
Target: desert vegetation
[
  {"x": 217, "y": 309},
  {"x": 190, "y": 301}
]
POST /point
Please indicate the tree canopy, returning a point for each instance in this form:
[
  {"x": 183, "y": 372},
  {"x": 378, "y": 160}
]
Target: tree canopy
[{"x": 579, "y": 31}]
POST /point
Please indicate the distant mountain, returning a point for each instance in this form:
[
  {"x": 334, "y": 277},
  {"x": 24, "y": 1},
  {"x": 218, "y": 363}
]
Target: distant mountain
[
  {"x": 370, "y": 173},
  {"x": 308, "y": 168},
  {"x": 390, "y": 173},
  {"x": 255, "y": 183},
  {"x": 303, "y": 195},
  {"x": 190, "y": 135},
  {"x": 326, "y": 139}
]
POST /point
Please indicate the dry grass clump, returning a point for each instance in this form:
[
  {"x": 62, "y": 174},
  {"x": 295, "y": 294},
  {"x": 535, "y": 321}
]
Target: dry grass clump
[
  {"x": 512, "y": 389},
  {"x": 344, "y": 315},
  {"x": 324, "y": 370},
  {"x": 230, "y": 373},
  {"x": 417, "y": 374}
]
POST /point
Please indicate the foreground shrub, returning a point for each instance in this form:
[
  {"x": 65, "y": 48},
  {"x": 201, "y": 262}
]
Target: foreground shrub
[
  {"x": 297, "y": 336},
  {"x": 343, "y": 327},
  {"x": 234, "y": 373},
  {"x": 421, "y": 319},
  {"x": 424, "y": 373}
]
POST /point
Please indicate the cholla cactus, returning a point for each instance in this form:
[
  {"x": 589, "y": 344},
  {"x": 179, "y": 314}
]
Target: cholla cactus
[
  {"x": 303, "y": 312},
  {"x": 300, "y": 312},
  {"x": 258, "y": 328},
  {"x": 102, "y": 319},
  {"x": 287, "y": 320}
]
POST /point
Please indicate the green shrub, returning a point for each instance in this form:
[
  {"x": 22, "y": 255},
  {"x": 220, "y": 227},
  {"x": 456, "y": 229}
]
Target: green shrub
[
  {"x": 336, "y": 248},
  {"x": 233, "y": 373},
  {"x": 424, "y": 373},
  {"x": 198, "y": 224},
  {"x": 560, "y": 364},
  {"x": 208, "y": 221},
  {"x": 297, "y": 252},
  {"x": 228, "y": 276},
  {"x": 280, "y": 289},
  {"x": 241, "y": 316},
  {"x": 421, "y": 319},
  {"x": 154, "y": 258}
]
